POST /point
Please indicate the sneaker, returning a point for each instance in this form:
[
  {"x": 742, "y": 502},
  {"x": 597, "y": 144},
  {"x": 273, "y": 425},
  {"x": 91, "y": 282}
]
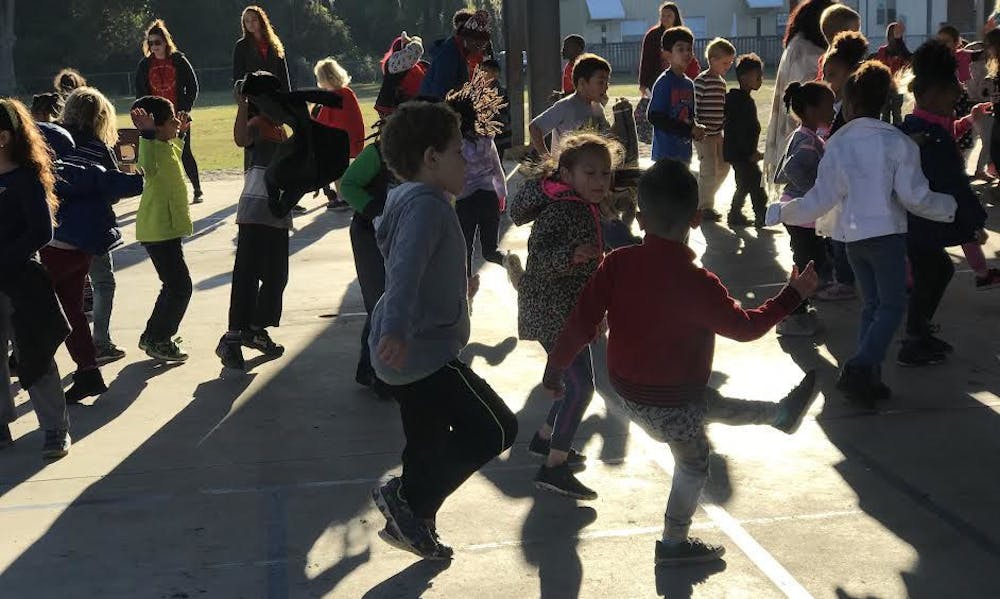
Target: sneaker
[
  {"x": 143, "y": 342},
  {"x": 689, "y": 551},
  {"x": 298, "y": 208},
  {"x": 404, "y": 530},
  {"x": 794, "y": 406},
  {"x": 259, "y": 340},
  {"x": 939, "y": 345},
  {"x": 735, "y": 220},
  {"x": 836, "y": 292},
  {"x": 710, "y": 215},
  {"x": 338, "y": 205},
  {"x": 57, "y": 443},
  {"x": 759, "y": 223},
  {"x": 561, "y": 481},
  {"x": 6, "y": 439},
  {"x": 798, "y": 325},
  {"x": 230, "y": 351},
  {"x": 918, "y": 352},
  {"x": 514, "y": 268},
  {"x": 109, "y": 353},
  {"x": 990, "y": 281},
  {"x": 86, "y": 383},
  {"x": 198, "y": 198},
  {"x": 165, "y": 351},
  {"x": 858, "y": 385},
  {"x": 540, "y": 447}
]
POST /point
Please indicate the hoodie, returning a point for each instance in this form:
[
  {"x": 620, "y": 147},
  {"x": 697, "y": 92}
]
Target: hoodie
[
  {"x": 425, "y": 302},
  {"x": 562, "y": 221}
]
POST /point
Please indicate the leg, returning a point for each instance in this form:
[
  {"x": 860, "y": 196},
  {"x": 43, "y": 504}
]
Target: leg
[
  {"x": 466, "y": 211},
  {"x": 742, "y": 188},
  {"x": 488, "y": 220},
  {"x": 102, "y": 277},
  {"x": 976, "y": 258},
  {"x": 721, "y": 166},
  {"x": 690, "y": 475},
  {"x": 758, "y": 197},
  {"x": 69, "y": 269},
  {"x": 8, "y": 413},
  {"x": 737, "y": 412},
  {"x": 273, "y": 277},
  {"x": 897, "y": 109},
  {"x": 842, "y": 267},
  {"x": 175, "y": 294},
  {"x": 884, "y": 289},
  {"x": 579, "y": 392},
  {"x": 706, "y": 174},
  {"x": 368, "y": 261},
  {"x": 243, "y": 291},
  {"x": 190, "y": 164}
]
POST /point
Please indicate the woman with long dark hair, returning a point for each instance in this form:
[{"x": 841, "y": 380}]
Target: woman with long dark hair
[
  {"x": 651, "y": 58},
  {"x": 164, "y": 71},
  {"x": 259, "y": 49}
]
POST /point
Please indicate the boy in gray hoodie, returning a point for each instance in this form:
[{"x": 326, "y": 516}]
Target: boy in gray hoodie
[{"x": 453, "y": 421}]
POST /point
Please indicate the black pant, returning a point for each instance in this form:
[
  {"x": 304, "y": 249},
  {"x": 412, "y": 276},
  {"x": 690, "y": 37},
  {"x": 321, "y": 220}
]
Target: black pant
[
  {"x": 454, "y": 423},
  {"x": 748, "y": 182},
  {"x": 807, "y": 247},
  {"x": 370, "y": 266},
  {"x": 932, "y": 270},
  {"x": 260, "y": 274},
  {"x": 190, "y": 164},
  {"x": 172, "y": 302},
  {"x": 892, "y": 112},
  {"x": 482, "y": 210}
]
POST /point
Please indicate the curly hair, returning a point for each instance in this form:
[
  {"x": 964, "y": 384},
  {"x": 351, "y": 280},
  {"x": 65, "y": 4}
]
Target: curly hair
[
  {"x": 88, "y": 110},
  {"x": 28, "y": 148},
  {"x": 46, "y": 106},
  {"x": 67, "y": 80},
  {"x": 868, "y": 88},
  {"x": 331, "y": 72},
  {"x": 411, "y": 130},
  {"x": 932, "y": 66},
  {"x": 158, "y": 27},
  {"x": 848, "y": 48},
  {"x": 265, "y": 22}
]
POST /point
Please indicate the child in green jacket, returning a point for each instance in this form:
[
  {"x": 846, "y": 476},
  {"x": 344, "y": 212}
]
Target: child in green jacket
[{"x": 163, "y": 221}]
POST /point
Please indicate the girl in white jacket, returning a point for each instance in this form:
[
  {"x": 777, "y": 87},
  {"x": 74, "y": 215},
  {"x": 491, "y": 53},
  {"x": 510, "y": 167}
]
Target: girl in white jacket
[{"x": 868, "y": 179}]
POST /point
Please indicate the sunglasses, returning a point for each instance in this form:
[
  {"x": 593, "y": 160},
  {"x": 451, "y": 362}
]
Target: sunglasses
[{"x": 154, "y": 42}]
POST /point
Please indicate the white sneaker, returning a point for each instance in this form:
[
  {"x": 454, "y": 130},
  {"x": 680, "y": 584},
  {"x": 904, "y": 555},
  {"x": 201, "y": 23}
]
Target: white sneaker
[
  {"x": 515, "y": 270},
  {"x": 836, "y": 292},
  {"x": 798, "y": 325}
]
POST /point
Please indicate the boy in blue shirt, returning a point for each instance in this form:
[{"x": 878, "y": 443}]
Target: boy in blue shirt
[{"x": 671, "y": 107}]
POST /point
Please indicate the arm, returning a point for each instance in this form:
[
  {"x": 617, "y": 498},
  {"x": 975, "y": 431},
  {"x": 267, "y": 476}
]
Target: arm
[
  {"x": 499, "y": 176},
  {"x": 582, "y": 326},
  {"x": 912, "y": 189},
  {"x": 800, "y": 168},
  {"x": 283, "y": 73},
  {"x": 356, "y": 123},
  {"x": 358, "y": 176},
  {"x": 658, "y": 113},
  {"x": 717, "y": 311},
  {"x": 141, "y": 79},
  {"x": 37, "y": 232},
  {"x": 148, "y": 156},
  {"x": 544, "y": 124},
  {"x": 538, "y": 140},
  {"x": 737, "y": 134},
  {"x": 408, "y": 257},
  {"x": 241, "y": 128},
  {"x": 649, "y": 61},
  {"x": 239, "y": 62},
  {"x": 190, "y": 79},
  {"x": 824, "y": 195}
]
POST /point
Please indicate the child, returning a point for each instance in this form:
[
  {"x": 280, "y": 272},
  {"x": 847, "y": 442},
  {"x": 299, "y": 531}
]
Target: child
[
  {"x": 836, "y": 19},
  {"x": 932, "y": 125},
  {"x": 663, "y": 313},
  {"x": 402, "y": 73},
  {"x": 812, "y": 105},
  {"x": 28, "y": 304},
  {"x": 562, "y": 200},
  {"x": 842, "y": 58},
  {"x": 572, "y": 47},
  {"x": 162, "y": 221},
  {"x": 964, "y": 56},
  {"x": 485, "y": 192},
  {"x": 453, "y": 421},
  {"x": 710, "y": 106},
  {"x": 671, "y": 107},
  {"x": 739, "y": 142},
  {"x": 502, "y": 140},
  {"x": 331, "y": 76},
  {"x": 895, "y": 55},
  {"x": 579, "y": 110},
  {"x": 867, "y": 181},
  {"x": 260, "y": 271}
]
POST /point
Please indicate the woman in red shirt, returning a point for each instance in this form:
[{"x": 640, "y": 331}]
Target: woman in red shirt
[
  {"x": 651, "y": 63},
  {"x": 331, "y": 76}
]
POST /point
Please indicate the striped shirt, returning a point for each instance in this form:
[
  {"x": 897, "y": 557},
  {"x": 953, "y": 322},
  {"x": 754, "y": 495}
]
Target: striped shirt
[{"x": 710, "y": 102}]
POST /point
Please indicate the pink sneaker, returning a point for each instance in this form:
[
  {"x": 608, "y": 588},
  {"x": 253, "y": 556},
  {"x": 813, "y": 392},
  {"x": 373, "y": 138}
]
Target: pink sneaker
[
  {"x": 836, "y": 292},
  {"x": 990, "y": 281}
]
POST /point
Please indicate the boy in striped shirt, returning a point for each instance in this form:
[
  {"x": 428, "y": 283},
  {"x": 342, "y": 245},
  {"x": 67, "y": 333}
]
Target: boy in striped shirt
[{"x": 710, "y": 106}]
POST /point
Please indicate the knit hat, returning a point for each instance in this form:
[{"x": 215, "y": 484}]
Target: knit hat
[
  {"x": 405, "y": 52},
  {"x": 477, "y": 27}
]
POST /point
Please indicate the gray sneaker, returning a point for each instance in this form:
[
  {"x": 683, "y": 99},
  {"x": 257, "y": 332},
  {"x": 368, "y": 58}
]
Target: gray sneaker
[
  {"x": 690, "y": 551},
  {"x": 798, "y": 325},
  {"x": 109, "y": 353},
  {"x": 57, "y": 443}
]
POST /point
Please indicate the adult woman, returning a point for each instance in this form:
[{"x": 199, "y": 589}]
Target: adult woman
[
  {"x": 804, "y": 45},
  {"x": 259, "y": 49},
  {"x": 651, "y": 60},
  {"x": 67, "y": 80},
  {"x": 164, "y": 71}
]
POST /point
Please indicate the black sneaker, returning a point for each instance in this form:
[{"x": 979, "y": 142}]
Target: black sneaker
[
  {"x": 6, "y": 439},
  {"x": 198, "y": 198},
  {"x": 109, "y": 353},
  {"x": 736, "y": 220},
  {"x": 710, "y": 215},
  {"x": 338, "y": 205},
  {"x": 690, "y": 551},
  {"x": 857, "y": 385},
  {"x": 298, "y": 208},
  {"x": 793, "y": 407},
  {"x": 939, "y": 345},
  {"x": 561, "y": 481},
  {"x": 918, "y": 352},
  {"x": 404, "y": 530},
  {"x": 86, "y": 383},
  {"x": 230, "y": 351},
  {"x": 57, "y": 443},
  {"x": 165, "y": 351},
  {"x": 259, "y": 340},
  {"x": 540, "y": 447},
  {"x": 143, "y": 342}
]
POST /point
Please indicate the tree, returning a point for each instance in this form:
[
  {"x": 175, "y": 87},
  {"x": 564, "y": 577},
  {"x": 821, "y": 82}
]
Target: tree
[{"x": 8, "y": 80}]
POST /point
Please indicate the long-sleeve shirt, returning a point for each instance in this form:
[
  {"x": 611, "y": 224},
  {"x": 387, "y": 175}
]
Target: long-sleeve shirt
[
  {"x": 663, "y": 314},
  {"x": 25, "y": 222},
  {"x": 483, "y": 169},
  {"x": 365, "y": 184},
  {"x": 710, "y": 101},
  {"x": 672, "y": 114},
  {"x": 163, "y": 210},
  {"x": 348, "y": 117},
  {"x": 742, "y": 128}
]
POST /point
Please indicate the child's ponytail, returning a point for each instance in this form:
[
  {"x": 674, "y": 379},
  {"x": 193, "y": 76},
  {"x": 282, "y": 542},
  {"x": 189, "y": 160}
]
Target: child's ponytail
[
  {"x": 790, "y": 95},
  {"x": 800, "y": 96}
]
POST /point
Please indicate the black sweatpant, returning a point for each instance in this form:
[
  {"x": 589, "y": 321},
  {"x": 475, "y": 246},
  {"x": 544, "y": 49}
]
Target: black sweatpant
[
  {"x": 370, "y": 266},
  {"x": 806, "y": 246},
  {"x": 260, "y": 274},
  {"x": 932, "y": 270},
  {"x": 480, "y": 210},
  {"x": 175, "y": 292},
  {"x": 190, "y": 164},
  {"x": 454, "y": 424},
  {"x": 748, "y": 182}
]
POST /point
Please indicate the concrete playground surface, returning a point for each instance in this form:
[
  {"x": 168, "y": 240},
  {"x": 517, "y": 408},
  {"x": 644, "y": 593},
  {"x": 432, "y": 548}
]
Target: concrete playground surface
[{"x": 188, "y": 481}]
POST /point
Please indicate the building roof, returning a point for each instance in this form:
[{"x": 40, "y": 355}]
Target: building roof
[
  {"x": 606, "y": 10},
  {"x": 765, "y": 3}
]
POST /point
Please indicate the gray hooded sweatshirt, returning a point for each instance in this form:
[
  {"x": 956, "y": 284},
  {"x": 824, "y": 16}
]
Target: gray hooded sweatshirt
[{"x": 425, "y": 302}]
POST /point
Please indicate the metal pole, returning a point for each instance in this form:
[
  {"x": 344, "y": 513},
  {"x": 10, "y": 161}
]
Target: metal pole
[
  {"x": 543, "y": 53},
  {"x": 515, "y": 29}
]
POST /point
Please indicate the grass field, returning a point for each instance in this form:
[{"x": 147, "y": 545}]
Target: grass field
[{"x": 212, "y": 120}]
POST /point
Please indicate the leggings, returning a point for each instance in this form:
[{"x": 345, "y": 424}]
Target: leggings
[{"x": 567, "y": 412}]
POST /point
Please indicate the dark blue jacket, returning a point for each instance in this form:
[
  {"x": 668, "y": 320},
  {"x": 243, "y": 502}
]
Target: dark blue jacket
[
  {"x": 944, "y": 168},
  {"x": 86, "y": 192},
  {"x": 449, "y": 70}
]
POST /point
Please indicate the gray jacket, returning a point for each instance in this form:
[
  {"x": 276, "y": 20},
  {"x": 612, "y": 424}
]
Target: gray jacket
[
  {"x": 425, "y": 302},
  {"x": 799, "y": 166}
]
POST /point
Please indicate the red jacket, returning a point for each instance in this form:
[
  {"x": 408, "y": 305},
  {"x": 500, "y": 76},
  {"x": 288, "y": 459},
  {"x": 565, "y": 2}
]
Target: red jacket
[
  {"x": 347, "y": 118},
  {"x": 651, "y": 63},
  {"x": 663, "y": 314}
]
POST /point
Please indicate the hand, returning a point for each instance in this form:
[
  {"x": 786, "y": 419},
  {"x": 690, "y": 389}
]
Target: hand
[
  {"x": 185, "y": 120},
  {"x": 981, "y": 236},
  {"x": 982, "y": 109},
  {"x": 142, "y": 120},
  {"x": 392, "y": 351},
  {"x": 586, "y": 253},
  {"x": 553, "y": 380},
  {"x": 805, "y": 282},
  {"x": 473, "y": 286},
  {"x": 698, "y": 132},
  {"x": 756, "y": 156}
]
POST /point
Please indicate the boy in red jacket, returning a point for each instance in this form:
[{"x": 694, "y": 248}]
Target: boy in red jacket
[{"x": 663, "y": 314}]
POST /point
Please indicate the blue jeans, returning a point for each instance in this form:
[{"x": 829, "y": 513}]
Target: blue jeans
[
  {"x": 879, "y": 264},
  {"x": 842, "y": 271},
  {"x": 102, "y": 278},
  {"x": 566, "y": 412}
]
